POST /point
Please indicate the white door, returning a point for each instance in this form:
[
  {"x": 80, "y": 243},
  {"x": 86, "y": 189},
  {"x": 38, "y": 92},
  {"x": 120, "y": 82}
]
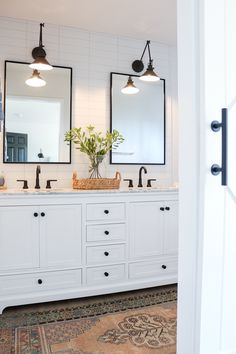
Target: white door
[
  {"x": 227, "y": 279},
  {"x": 60, "y": 236},
  {"x": 213, "y": 287}
]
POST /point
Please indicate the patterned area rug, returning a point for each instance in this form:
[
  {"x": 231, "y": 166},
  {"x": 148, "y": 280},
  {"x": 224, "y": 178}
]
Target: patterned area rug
[{"x": 129, "y": 323}]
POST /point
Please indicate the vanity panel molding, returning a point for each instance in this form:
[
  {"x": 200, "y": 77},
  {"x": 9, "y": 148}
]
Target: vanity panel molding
[
  {"x": 60, "y": 231},
  {"x": 63, "y": 245},
  {"x": 106, "y": 232},
  {"x": 19, "y": 238},
  {"x": 103, "y": 254},
  {"x": 36, "y": 282},
  {"x": 146, "y": 229}
]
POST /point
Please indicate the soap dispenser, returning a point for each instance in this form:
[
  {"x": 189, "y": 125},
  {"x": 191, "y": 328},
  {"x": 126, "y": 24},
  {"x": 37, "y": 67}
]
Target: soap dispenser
[{"x": 2, "y": 180}]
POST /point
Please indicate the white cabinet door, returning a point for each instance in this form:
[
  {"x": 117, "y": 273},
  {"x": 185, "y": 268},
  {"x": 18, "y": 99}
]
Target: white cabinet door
[
  {"x": 19, "y": 238},
  {"x": 60, "y": 236},
  {"x": 171, "y": 228},
  {"x": 146, "y": 229}
]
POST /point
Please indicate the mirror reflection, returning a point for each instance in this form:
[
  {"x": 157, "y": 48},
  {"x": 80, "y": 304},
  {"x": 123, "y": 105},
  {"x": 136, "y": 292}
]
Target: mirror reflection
[
  {"x": 140, "y": 118},
  {"x": 36, "y": 118}
]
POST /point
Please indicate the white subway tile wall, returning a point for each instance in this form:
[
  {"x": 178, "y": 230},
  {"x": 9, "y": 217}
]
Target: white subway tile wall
[{"x": 92, "y": 56}]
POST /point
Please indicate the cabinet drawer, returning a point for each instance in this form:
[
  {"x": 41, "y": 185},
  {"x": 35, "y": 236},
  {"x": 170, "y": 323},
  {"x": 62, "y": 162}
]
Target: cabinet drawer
[
  {"x": 152, "y": 269},
  {"x": 106, "y": 211},
  {"x": 106, "y": 232},
  {"x": 27, "y": 283},
  {"x": 106, "y": 274},
  {"x": 105, "y": 254}
]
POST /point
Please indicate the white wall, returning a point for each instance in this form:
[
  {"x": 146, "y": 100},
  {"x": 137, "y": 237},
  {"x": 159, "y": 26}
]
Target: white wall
[{"x": 92, "y": 56}]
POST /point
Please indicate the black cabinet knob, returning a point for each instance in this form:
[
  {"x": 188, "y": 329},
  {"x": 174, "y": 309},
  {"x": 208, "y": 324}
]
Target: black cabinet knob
[
  {"x": 167, "y": 208},
  {"x": 40, "y": 281},
  {"x": 162, "y": 209},
  {"x": 106, "y": 211},
  {"x": 163, "y": 266},
  {"x": 42, "y": 214},
  {"x": 106, "y": 232},
  {"x": 36, "y": 215},
  {"x": 106, "y": 274},
  {"x": 106, "y": 253}
]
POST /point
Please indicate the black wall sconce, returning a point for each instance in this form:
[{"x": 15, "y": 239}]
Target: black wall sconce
[
  {"x": 138, "y": 66},
  {"x": 40, "y": 63},
  {"x": 38, "y": 53}
]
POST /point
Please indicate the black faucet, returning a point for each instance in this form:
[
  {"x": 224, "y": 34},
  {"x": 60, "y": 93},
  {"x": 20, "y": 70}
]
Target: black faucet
[
  {"x": 38, "y": 171},
  {"x": 140, "y": 183}
]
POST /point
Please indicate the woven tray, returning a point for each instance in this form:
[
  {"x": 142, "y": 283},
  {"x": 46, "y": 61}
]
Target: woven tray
[{"x": 96, "y": 183}]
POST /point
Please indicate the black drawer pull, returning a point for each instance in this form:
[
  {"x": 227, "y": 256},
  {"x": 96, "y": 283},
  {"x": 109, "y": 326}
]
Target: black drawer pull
[
  {"x": 40, "y": 281},
  {"x": 162, "y": 209},
  {"x": 42, "y": 214},
  {"x": 36, "y": 215},
  {"x": 106, "y": 232},
  {"x": 163, "y": 266},
  {"x": 216, "y": 126},
  {"x": 167, "y": 208},
  {"x": 106, "y": 253},
  {"x": 106, "y": 274},
  {"x": 106, "y": 211}
]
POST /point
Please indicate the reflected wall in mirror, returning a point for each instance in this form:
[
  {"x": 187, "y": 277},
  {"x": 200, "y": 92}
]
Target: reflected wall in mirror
[
  {"x": 140, "y": 118},
  {"x": 36, "y": 118}
]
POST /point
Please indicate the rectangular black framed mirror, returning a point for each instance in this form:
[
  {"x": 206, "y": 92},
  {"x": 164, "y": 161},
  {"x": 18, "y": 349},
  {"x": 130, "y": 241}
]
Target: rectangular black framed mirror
[
  {"x": 140, "y": 118},
  {"x": 36, "y": 118}
]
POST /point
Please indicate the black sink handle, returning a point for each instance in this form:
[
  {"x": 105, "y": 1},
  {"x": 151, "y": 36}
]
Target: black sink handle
[
  {"x": 25, "y": 185},
  {"x": 48, "y": 185},
  {"x": 130, "y": 182},
  {"x": 149, "y": 184}
]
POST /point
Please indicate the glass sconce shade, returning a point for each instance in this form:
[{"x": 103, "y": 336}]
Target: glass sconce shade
[
  {"x": 149, "y": 74},
  {"x": 35, "y": 80},
  {"x": 130, "y": 88},
  {"x": 41, "y": 63}
]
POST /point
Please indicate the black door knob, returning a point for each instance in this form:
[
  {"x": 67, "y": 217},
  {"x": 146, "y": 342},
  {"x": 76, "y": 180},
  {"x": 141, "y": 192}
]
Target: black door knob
[
  {"x": 36, "y": 215},
  {"x": 163, "y": 266},
  {"x": 106, "y": 253},
  {"x": 106, "y": 232},
  {"x": 42, "y": 214},
  {"x": 162, "y": 209},
  {"x": 167, "y": 208},
  {"x": 40, "y": 281},
  {"x": 106, "y": 211},
  {"x": 106, "y": 274}
]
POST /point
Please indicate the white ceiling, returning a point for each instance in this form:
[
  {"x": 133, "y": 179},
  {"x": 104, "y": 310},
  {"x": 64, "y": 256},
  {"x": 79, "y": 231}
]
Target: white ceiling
[{"x": 150, "y": 19}]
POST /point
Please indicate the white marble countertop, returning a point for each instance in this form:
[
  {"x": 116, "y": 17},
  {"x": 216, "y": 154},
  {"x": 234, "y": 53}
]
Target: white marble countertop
[{"x": 69, "y": 191}]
